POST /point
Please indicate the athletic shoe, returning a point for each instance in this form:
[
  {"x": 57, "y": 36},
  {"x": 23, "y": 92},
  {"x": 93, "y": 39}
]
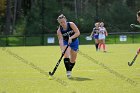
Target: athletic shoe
[
  {"x": 97, "y": 49},
  {"x": 105, "y": 51},
  {"x": 69, "y": 74}
]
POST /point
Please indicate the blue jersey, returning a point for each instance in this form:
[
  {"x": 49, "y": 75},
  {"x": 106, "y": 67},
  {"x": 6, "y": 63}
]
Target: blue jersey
[
  {"x": 95, "y": 33},
  {"x": 68, "y": 33}
]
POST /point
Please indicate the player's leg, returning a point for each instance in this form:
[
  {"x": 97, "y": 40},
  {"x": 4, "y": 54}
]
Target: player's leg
[
  {"x": 96, "y": 41},
  {"x": 100, "y": 44},
  {"x": 66, "y": 56},
  {"x": 104, "y": 46},
  {"x": 73, "y": 55},
  {"x": 72, "y": 62},
  {"x": 73, "y": 58},
  {"x": 100, "y": 41},
  {"x": 96, "y": 44}
]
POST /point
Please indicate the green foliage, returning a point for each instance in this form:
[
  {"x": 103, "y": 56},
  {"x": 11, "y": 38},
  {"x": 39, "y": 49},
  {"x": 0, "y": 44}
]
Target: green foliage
[
  {"x": 2, "y": 7},
  {"x": 20, "y": 27},
  {"x": 1, "y": 25},
  {"x": 33, "y": 20},
  {"x": 39, "y": 16},
  {"x": 118, "y": 16}
]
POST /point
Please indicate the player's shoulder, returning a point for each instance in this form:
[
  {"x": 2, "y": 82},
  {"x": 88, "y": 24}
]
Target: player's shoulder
[
  {"x": 102, "y": 28},
  {"x": 71, "y": 23}
]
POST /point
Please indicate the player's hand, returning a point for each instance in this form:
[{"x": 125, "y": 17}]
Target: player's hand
[
  {"x": 70, "y": 40},
  {"x": 132, "y": 25},
  {"x": 138, "y": 51}
]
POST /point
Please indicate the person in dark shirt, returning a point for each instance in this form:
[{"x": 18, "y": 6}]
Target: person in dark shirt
[{"x": 68, "y": 35}]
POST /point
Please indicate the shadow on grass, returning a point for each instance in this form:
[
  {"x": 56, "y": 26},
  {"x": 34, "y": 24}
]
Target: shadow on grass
[{"x": 80, "y": 79}]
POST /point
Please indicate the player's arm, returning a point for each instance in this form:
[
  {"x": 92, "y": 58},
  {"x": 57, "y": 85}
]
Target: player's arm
[
  {"x": 76, "y": 30},
  {"x": 138, "y": 51},
  {"x": 106, "y": 33},
  {"x": 60, "y": 38},
  {"x": 91, "y": 34}
]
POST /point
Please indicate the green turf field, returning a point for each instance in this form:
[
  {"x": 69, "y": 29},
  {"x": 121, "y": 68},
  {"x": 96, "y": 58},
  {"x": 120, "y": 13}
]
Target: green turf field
[{"x": 25, "y": 70}]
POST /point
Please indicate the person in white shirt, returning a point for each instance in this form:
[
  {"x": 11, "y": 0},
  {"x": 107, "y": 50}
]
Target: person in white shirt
[{"x": 102, "y": 35}]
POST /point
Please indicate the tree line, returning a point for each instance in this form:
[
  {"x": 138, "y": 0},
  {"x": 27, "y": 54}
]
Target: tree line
[{"x": 28, "y": 17}]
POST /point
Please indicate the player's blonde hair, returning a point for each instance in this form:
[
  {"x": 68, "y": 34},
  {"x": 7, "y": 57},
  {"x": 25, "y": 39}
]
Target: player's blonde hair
[{"x": 102, "y": 23}]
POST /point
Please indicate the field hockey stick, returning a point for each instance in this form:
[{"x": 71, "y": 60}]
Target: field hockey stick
[
  {"x": 134, "y": 26},
  {"x": 57, "y": 64},
  {"x": 131, "y": 63}
]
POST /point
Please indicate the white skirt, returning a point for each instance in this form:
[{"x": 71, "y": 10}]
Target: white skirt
[{"x": 101, "y": 36}]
